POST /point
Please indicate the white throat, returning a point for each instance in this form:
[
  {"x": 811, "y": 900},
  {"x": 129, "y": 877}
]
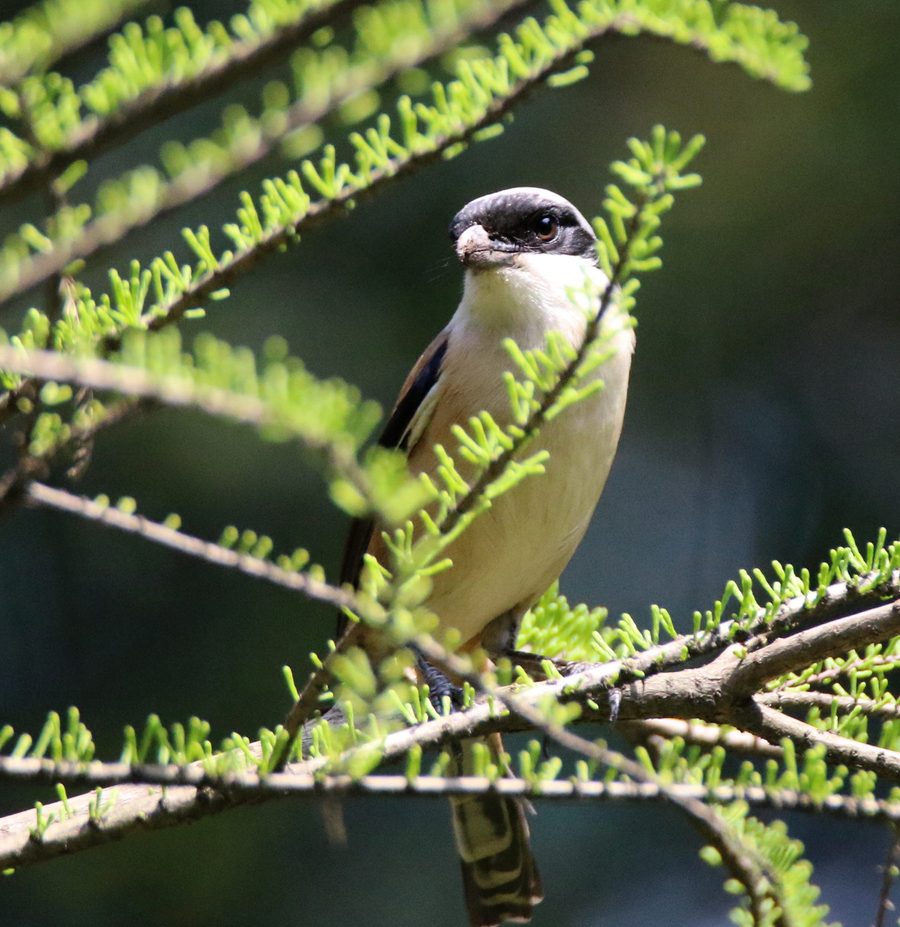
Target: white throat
[{"x": 529, "y": 297}]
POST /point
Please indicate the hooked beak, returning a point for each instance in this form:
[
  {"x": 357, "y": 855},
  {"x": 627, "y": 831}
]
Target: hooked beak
[{"x": 476, "y": 249}]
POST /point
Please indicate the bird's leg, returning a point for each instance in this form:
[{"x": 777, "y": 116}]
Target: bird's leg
[{"x": 499, "y": 637}]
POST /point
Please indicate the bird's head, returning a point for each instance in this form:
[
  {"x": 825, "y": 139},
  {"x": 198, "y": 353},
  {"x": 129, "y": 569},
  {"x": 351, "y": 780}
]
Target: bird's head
[{"x": 497, "y": 230}]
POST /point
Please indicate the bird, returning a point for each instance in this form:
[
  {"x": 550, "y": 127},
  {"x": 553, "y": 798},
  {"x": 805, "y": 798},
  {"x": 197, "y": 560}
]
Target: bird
[{"x": 523, "y": 251}]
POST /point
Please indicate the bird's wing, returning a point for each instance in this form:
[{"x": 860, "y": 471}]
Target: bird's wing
[{"x": 411, "y": 413}]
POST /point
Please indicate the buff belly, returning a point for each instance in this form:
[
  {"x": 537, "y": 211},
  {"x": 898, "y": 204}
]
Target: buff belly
[{"x": 512, "y": 553}]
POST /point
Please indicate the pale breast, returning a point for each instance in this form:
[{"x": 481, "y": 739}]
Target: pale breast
[{"x": 515, "y": 550}]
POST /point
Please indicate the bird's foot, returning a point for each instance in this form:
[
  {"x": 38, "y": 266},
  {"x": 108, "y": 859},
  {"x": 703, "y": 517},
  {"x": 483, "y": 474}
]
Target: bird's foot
[{"x": 441, "y": 691}]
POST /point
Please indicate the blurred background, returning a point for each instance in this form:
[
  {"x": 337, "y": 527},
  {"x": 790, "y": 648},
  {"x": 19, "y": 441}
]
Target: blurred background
[{"x": 764, "y": 417}]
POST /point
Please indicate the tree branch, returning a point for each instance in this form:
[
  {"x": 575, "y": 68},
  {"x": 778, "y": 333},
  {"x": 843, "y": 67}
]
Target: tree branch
[
  {"x": 287, "y": 783},
  {"x": 197, "y": 182},
  {"x": 685, "y": 693},
  {"x": 807, "y": 647},
  {"x": 256, "y": 567},
  {"x": 135, "y": 808},
  {"x": 245, "y": 57},
  {"x": 788, "y": 700},
  {"x": 889, "y": 874},
  {"x": 775, "y": 727}
]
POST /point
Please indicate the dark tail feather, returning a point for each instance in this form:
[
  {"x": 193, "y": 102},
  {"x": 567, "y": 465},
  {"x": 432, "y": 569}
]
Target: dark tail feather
[{"x": 500, "y": 876}]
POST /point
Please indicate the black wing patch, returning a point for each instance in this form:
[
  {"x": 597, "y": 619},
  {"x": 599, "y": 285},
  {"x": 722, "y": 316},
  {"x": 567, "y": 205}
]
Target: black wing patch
[
  {"x": 396, "y": 431},
  {"x": 395, "y": 434}
]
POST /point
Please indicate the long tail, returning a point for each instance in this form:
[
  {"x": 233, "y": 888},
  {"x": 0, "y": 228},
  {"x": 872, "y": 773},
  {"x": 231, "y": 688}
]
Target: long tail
[{"x": 500, "y": 876}]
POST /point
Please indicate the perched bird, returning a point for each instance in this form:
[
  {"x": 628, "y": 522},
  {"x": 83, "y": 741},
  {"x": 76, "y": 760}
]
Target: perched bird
[{"x": 523, "y": 250}]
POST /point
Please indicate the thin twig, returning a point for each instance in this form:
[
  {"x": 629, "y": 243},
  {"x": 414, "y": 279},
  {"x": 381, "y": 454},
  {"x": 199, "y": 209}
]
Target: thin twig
[
  {"x": 830, "y": 675},
  {"x": 196, "y": 183},
  {"x": 787, "y": 700},
  {"x": 697, "y": 732},
  {"x": 216, "y": 554},
  {"x": 94, "y": 134},
  {"x": 888, "y": 876},
  {"x": 174, "y": 391}
]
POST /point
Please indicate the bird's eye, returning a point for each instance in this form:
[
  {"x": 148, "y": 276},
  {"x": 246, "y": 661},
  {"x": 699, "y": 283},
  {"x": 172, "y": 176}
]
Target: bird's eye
[{"x": 546, "y": 227}]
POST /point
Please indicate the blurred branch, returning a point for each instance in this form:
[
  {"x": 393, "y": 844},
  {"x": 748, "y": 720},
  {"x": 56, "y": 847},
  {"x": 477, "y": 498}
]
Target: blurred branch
[
  {"x": 16, "y": 478},
  {"x": 247, "y": 57},
  {"x": 216, "y": 554},
  {"x": 179, "y": 392},
  {"x": 43, "y": 34},
  {"x": 697, "y": 732},
  {"x": 264, "y": 135},
  {"x": 889, "y": 874}
]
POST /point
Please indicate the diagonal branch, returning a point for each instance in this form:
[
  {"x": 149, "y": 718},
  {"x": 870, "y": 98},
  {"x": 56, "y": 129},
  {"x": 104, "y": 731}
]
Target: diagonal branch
[
  {"x": 806, "y": 647},
  {"x": 216, "y": 554},
  {"x": 245, "y": 57},
  {"x": 775, "y": 726},
  {"x": 49, "y": 31},
  {"x": 195, "y": 183}
]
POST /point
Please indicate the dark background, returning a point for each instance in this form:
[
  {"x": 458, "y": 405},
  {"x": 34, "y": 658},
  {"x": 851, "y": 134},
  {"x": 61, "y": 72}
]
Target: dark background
[{"x": 764, "y": 417}]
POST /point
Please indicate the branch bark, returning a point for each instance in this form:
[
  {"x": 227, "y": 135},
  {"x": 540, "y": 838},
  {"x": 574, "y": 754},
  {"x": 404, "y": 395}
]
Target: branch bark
[{"x": 697, "y": 692}]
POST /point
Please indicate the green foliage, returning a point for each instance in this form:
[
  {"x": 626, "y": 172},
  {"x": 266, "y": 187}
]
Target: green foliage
[
  {"x": 42, "y": 33},
  {"x": 673, "y": 761},
  {"x": 339, "y": 81},
  {"x": 81, "y": 365},
  {"x": 556, "y": 629},
  {"x": 482, "y": 94},
  {"x": 143, "y": 58},
  {"x": 792, "y": 896}
]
